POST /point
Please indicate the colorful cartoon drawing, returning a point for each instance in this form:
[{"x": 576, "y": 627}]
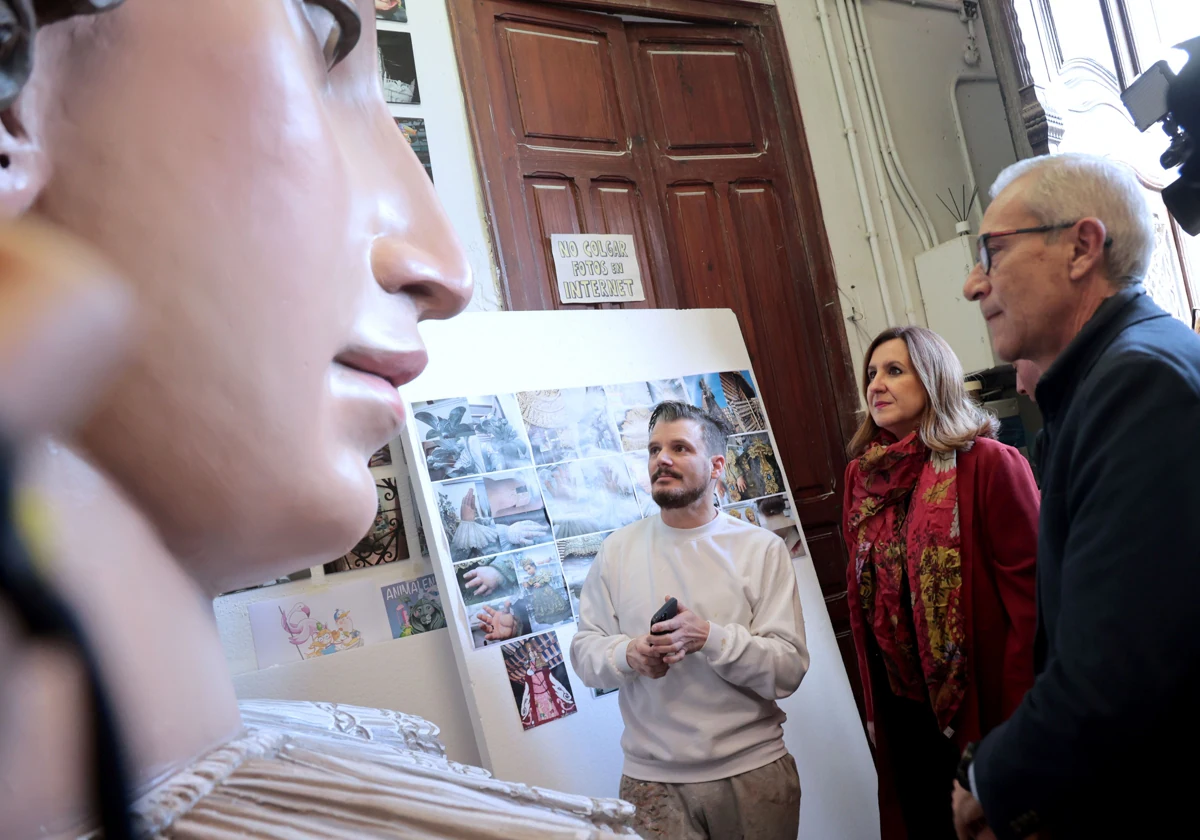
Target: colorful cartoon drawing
[
  {"x": 414, "y": 606},
  {"x": 321, "y": 639}
]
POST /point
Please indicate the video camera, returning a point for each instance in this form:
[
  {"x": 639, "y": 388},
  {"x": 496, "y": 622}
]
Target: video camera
[{"x": 1161, "y": 95}]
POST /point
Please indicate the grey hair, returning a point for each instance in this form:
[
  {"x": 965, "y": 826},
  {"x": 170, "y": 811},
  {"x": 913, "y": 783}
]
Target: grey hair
[
  {"x": 1069, "y": 187},
  {"x": 714, "y": 429}
]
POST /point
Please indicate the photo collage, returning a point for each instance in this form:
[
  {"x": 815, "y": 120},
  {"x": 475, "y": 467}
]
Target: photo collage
[
  {"x": 398, "y": 75},
  {"x": 528, "y": 486}
]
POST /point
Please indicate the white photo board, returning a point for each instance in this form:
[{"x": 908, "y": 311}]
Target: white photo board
[{"x": 515, "y": 407}]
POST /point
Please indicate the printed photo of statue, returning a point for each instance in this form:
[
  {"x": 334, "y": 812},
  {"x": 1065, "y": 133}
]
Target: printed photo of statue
[
  {"x": 584, "y": 497},
  {"x": 538, "y": 676},
  {"x": 577, "y": 555},
  {"x": 566, "y": 424},
  {"x": 751, "y": 469},
  {"x": 541, "y": 577},
  {"x": 471, "y": 436},
  {"x": 743, "y": 409},
  {"x": 391, "y": 10},
  {"x": 448, "y": 439},
  {"x": 399, "y": 68},
  {"x": 492, "y": 514}
]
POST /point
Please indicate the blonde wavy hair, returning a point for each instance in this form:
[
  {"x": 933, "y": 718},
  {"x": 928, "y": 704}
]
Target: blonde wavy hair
[{"x": 952, "y": 420}]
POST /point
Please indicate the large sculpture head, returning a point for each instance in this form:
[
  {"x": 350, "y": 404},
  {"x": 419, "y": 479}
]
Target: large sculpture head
[{"x": 236, "y": 165}]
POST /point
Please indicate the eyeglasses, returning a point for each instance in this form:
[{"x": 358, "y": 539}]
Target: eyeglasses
[{"x": 985, "y": 254}]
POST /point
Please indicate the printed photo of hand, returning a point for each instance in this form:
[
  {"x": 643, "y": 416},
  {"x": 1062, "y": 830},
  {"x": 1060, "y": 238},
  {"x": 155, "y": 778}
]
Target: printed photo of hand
[
  {"x": 524, "y": 533},
  {"x": 483, "y": 580},
  {"x": 468, "y": 511},
  {"x": 498, "y": 625}
]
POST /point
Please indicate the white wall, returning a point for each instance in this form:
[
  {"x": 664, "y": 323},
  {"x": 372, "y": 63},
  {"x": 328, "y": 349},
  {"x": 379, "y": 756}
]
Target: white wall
[{"x": 918, "y": 53}]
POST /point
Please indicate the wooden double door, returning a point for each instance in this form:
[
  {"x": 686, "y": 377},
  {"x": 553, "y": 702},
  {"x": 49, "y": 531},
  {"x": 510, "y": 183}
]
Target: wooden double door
[{"x": 684, "y": 134}]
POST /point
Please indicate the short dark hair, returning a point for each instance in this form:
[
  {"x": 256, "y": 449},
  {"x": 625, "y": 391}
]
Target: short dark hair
[{"x": 714, "y": 429}]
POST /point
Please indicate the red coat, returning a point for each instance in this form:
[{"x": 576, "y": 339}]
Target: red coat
[{"x": 998, "y": 503}]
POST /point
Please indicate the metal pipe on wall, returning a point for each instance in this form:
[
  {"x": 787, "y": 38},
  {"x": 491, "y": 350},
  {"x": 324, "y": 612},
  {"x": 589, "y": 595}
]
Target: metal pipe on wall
[
  {"x": 851, "y": 135},
  {"x": 858, "y": 76}
]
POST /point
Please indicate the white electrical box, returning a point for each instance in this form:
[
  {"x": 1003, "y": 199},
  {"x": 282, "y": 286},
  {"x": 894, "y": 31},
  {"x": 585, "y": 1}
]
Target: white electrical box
[{"x": 941, "y": 272}]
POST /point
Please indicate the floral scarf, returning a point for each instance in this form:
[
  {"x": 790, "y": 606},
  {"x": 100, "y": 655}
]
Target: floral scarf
[{"x": 904, "y": 521}]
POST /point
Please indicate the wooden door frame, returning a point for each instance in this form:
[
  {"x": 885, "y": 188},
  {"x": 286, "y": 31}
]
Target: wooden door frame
[{"x": 823, "y": 295}]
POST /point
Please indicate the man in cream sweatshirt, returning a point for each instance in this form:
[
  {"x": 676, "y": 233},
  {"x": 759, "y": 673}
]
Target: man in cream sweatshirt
[{"x": 703, "y": 741}]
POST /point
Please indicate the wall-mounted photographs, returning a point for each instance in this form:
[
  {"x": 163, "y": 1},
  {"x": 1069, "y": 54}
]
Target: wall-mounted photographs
[
  {"x": 577, "y": 555},
  {"x": 584, "y": 497},
  {"x": 751, "y": 469},
  {"x": 413, "y": 129},
  {"x": 491, "y": 514},
  {"x": 414, "y": 607},
  {"x": 528, "y": 485},
  {"x": 392, "y": 10},
  {"x": 567, "y": 424},
  {"x": 537, "y": 673},
  {"x": 398, "y": 67},
  {"x": 471, "y": 436},
  {"x": 731, "y": 395},
  {"x": 386, "y": 541}
]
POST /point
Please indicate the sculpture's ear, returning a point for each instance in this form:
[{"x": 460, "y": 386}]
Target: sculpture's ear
[{"x": 22, "y": 164}]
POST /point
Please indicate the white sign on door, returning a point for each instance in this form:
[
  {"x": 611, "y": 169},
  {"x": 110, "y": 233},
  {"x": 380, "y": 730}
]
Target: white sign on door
[{"x": 596, "y": 268}]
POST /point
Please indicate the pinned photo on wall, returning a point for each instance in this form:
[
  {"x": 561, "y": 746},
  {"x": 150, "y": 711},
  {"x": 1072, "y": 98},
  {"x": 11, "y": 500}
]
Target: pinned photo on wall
[
  {"x": 499, "y": 620},
  {"x": 545, "y": 590},
  {"x": 705, "y": 391},
  {"x": 662, "y": 390},
  {"x": 751, "y": 469},
  {"x": 398, "y": 67},
  {"x": 414, "y": 607},
  {"x": 565, "y": 424},
  {"x": 585, "y": 497},
  {"x": 492, "y": 514},
  {"x": 392, "y": 10},
  {"x": 639, "y": 470},
  {"x": 471, "y": 436},
  {"x": 413, "y": 129},
  {"x": 386, "y": 542},
  {"x": 577, "y": 555},
  {"x": 489, "y": 579},
  {"x": 743, "y": 408},
  {"x": 315, "y": 624},
  {"x": 382, "y": 457},
  {"x": 633, "y": 425},
  {"x": 537, "y": 674},
  {"x": 792, "y": 539}
]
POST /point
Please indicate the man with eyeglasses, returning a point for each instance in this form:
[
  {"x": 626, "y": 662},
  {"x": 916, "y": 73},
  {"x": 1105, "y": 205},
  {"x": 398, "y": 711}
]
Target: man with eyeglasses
[{"x": 1064, "y": 246}]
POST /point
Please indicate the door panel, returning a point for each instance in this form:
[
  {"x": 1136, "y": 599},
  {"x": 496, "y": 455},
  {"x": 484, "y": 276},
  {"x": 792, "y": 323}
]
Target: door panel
[
  {"x": 560, "y": 115},
  {"x": 562, "y": 84},
  {"x": 716, "y": 150},
  {"x": 704, "y": 99}
]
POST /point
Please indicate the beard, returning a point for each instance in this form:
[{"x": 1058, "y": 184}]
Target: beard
[{"x": 678, "y": 497}]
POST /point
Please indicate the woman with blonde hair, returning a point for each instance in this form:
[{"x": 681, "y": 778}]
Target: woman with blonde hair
[{"x": 940, "y": 521}]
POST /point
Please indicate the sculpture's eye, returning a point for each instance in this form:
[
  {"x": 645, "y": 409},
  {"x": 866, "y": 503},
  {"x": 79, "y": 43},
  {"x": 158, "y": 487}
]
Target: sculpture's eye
[{"x": 337, "y": 27}]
